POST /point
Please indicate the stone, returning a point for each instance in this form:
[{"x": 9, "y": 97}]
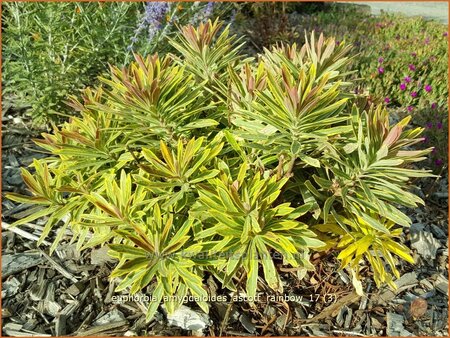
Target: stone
[{"x": 188, "y": 319}]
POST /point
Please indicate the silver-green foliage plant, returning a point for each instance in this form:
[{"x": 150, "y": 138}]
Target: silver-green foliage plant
[
  {"x": 48, "y": 50},
  {"x": 207, "y": 163}
]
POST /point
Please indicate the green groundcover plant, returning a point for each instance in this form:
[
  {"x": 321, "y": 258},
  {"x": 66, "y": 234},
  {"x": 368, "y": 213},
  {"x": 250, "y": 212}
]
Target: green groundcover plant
[{"x": 210, "y": 163}]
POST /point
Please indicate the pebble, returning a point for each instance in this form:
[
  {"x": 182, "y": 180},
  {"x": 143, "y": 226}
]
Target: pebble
[
  {"x": 188, "y": 319},
  {"x": 100, "y": 256},
  {"x": 425, "y": 244}
]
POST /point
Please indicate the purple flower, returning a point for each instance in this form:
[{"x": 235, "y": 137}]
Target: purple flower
[
  {"x": 445, "y": 34},
  {"x": 412, "y": 67},
  {"x": 209, "y": 9},
  {"x": 380, "y": 70},
  {"x": 410, "y": 108},
  {"x": 429, "y": 125},
  {"x": 413, "y": 94},
  {"x": 438, "y": 162},
  {"x": 380, "y": 60},
  {"x": 407, "y": 79},
  {"x": 338, "y": 42},
  {"x": 425, "y": 139},
  {"x": 233, "y": 16},
  {"x": 413, "y": 54},
  {"x": 428, "y": 88},
  {"x": 204, "y": 14},
  {"x": 154, "y": 13},
  {"x": 434, "y": 150},
  {"x": 433, "y": 105},
  {"x": 439, "y": 125},
  {"x": 402, "y": 86},
  {"x": 387, "y": 100},
  {"x": 427, "y": 41}
]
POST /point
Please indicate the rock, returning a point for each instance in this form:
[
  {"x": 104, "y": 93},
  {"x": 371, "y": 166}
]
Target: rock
[
  {"x": 12, "y": 264},
  {"x": 197, "y": 333},
  {"x": 395, "y": 325},
  {"x": 188, "y": 319},
  {"x": 17, "y": 120},
  {"x": 130, "y": 333},
  {"x": 100, "y": 256},
  {"x": 425, "y": 244}
]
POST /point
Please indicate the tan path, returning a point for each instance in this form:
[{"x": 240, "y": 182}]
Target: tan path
[{"x": 428, "y": 9}]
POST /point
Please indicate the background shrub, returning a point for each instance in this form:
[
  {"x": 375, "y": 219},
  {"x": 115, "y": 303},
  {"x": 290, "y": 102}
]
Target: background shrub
[
  {"x": 159, "y": 21},
  {"x": 52, "y": 49},
  {"x": 401, "y": 61}
]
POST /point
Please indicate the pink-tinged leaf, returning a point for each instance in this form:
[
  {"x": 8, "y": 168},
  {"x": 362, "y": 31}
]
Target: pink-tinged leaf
[
  {"x": 410, "y": 153},
  {"x": 393, "y": 136}
]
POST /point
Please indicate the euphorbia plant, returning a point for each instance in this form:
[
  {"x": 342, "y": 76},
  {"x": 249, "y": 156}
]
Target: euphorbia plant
[{"x": 206, "y": 163}]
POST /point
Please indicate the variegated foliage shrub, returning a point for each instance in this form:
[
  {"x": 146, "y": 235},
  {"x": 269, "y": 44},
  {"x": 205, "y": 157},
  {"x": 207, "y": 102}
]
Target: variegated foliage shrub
[{"x": 208, "y": 163}]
